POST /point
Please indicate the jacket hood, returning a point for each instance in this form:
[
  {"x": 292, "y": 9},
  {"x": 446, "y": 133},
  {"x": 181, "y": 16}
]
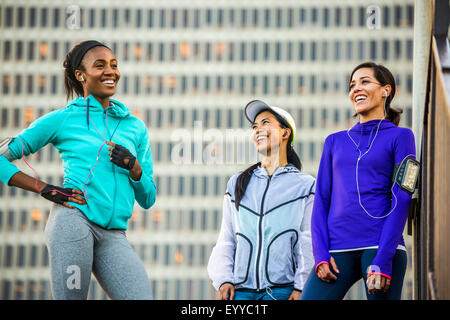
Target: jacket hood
[{"x": 116, "y": 108}]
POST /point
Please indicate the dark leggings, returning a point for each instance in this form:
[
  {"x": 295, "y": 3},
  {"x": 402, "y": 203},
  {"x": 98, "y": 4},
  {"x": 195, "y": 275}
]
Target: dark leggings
[{"x": 352, "y": 266}]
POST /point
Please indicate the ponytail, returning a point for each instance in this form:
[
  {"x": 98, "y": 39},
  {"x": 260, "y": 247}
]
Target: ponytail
[
  {"x": 71, "y": 84},
  {"x": 293, "y": 158},
  {"x": 393, "y": 114},
  {"x": 242, "y": 183}
]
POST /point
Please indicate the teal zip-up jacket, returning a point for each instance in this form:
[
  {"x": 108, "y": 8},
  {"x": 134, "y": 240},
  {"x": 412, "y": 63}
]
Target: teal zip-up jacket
[{"x": 110, "y": 190}]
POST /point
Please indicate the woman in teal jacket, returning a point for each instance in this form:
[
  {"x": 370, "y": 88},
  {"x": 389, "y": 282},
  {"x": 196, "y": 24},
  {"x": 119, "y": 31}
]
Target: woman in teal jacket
[{"x": 107, "y": 166}]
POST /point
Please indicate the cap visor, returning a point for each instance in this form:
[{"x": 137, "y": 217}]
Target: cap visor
[{"x": 253, "y": 108}]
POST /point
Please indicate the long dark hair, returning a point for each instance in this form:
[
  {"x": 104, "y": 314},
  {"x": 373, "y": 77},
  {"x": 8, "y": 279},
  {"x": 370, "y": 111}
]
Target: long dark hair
[
  {"x": 385, "y": 77},
  {"x": 244, "y": 178}
]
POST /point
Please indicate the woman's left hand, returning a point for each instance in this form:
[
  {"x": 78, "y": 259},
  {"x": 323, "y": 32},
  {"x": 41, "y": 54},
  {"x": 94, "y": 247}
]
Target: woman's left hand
[
  {"x": 123, "y": 158},
  {"x": 295, "y": 295},
  {"x": 377, "y": 283}
]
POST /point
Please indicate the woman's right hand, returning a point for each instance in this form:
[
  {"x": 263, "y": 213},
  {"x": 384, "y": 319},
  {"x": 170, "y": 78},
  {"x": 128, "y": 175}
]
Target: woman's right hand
[
  {"x": 62, "y": 195},
  {"x": 324, "y": 273},
  {"x": 226, "y": 292}
]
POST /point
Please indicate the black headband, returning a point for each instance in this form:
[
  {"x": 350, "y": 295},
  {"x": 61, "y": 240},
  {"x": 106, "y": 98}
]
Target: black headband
[{"x": 83, "y": 48}]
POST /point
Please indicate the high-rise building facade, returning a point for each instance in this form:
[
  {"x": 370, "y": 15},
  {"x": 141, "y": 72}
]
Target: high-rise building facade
[{"x": 187, "y": 70}]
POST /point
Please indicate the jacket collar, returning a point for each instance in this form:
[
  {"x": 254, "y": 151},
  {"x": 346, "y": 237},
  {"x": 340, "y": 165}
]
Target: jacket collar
[
  {"x": 262, "y": 172},
  {"x": 372, "y": 124},
  {"x": 116, "y": 108}
]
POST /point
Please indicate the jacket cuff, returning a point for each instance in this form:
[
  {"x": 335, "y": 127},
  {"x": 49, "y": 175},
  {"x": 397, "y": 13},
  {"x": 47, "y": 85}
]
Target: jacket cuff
[
  {"x": 8, "y": 170},
  {"x": 381, "y": 265},
  {"x": 317, "y": 265},
  {"x": 382, "y": 274},
  {"x": 225, "y": 283},
  {"x": 140, "y": 185}
]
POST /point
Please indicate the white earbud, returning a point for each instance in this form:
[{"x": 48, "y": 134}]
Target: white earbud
[
  {"x": 82, "y": 79},
  {"x": 385, "y": 93}
]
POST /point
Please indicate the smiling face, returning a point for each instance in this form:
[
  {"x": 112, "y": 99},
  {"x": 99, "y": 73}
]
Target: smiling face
[
  {"x": 267, "y": 134},
  {"x": 101, "y": 73},
  {"x": 367, "y": 94}
]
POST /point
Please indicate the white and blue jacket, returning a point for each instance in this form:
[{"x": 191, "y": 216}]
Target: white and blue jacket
[{"x": 267, "y": 242}]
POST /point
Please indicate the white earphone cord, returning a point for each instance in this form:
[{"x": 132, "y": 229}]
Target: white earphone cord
[{"x": 357, "y": 166}]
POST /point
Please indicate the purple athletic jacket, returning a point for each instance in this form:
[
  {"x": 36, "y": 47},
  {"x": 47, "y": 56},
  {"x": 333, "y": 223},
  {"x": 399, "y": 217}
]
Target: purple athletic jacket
[{"x": 338, "y": 221}]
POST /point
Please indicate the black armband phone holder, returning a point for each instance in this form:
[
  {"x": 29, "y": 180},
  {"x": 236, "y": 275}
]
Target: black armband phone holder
[{"x": 406, "y": 173}]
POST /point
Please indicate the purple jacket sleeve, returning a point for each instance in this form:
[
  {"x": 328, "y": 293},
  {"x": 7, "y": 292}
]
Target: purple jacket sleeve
[
  {"x": 319, "y": 219},
  {"x": 395, "y": 223}
]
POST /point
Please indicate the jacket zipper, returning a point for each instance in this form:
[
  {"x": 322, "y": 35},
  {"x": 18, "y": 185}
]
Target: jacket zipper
[
  {"x": 260, "y": 234},
  {"x": 114, "y": 174}
]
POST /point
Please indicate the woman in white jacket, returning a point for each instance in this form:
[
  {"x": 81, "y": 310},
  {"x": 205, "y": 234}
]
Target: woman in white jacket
[{"x": 264, "y": 249}]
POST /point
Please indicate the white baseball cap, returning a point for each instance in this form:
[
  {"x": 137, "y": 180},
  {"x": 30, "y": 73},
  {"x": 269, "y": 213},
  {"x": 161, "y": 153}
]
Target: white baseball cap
[{"x": 255, "y": 107}]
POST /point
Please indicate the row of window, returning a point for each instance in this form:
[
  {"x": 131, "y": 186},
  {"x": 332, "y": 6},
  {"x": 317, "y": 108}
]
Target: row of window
[
  {"x": 179, "y": 254},
  {"x": 163, "y": 289},
  {"x": 173, "y": 18},
  {"x": 21, "y": 256},
  {"x": 217, "y": 51},
  {"x": 194, "y": 84},
  {"x": 142, "y": 220},
  {"x": 172, "y": 118},
  {"x": 25, "y": 290},
  {"x": 220, "y": 153},
  {"x": 232, "y": 118}
]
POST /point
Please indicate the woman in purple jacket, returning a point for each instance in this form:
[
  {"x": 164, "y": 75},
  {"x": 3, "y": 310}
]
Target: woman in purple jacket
[{"x": 359, "y": 213}]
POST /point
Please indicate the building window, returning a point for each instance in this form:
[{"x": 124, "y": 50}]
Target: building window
[
  {"x": 409, "y": 15},
  {"x": 6, "y": 84},
  {"x": 7, "y": 50},
  {"x": 337, "y": 51},
  {"x": 349, "y": 17},
  {"x": 361, "y": 50},
  {"x": 9, "y": 17},
  {"x": 397, "y": 49},
  {"x": 385, "y": 50},
  {"x": 56, "y": 17},
  {"x": 326, "y": 17},
  {"x": 409, "y": 49},
  {"x": 314, "y": 16},
  {"x": 104, "y": 18},
  {"x": 397, "y": 16},
  {"x": 362, "y": 16},
  {"x": 313, "y": 51},
  {"x": 312, "y": 118},
  {"x": 32, "y": 17},
  {"x": 44, "y": 17},
  {"x": 337, "y": 17},
  {"x": 373, "y": 50},
  {"x": 386, "y": 16},
  {"x": 20, "y": 17}
]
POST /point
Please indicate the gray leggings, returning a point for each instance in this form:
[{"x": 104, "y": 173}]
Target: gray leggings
[{"x": 78, "y": 247}]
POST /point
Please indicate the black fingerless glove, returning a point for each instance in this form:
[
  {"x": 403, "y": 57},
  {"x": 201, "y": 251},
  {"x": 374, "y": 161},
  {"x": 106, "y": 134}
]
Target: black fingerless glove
[
  {"x": 56, "y": 194},
  {"x": 118, "y": 156}
]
